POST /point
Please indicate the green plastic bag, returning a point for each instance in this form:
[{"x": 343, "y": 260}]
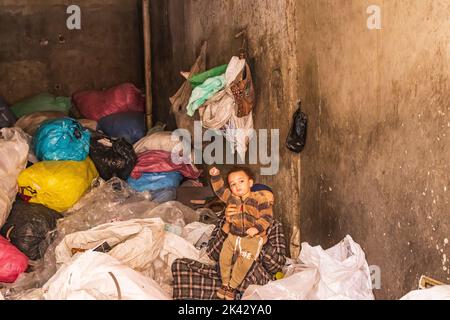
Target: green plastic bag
[
  {"x": 200, "y": 78},
  {"x": 42, "y": 102}
]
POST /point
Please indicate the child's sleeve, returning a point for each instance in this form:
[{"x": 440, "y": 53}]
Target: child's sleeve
[
  {"x": 218, "y": 186},
  {"x": 265, "y": 209}
]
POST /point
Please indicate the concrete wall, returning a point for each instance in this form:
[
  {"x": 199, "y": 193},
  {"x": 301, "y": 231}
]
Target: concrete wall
[
  {"x": 375, "y": 166},
  {"x": 377, "y": 162},
  {"x": 106, "y": 51}
]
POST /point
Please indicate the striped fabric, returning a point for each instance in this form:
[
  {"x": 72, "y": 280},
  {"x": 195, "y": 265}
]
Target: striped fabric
[
  {"x": 196, "y": 281},
  {"x": 256, "y": 210}
]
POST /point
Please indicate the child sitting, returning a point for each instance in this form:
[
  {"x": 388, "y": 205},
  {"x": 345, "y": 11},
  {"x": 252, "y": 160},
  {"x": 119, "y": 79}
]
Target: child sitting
[{"x": 248, "y": 216}]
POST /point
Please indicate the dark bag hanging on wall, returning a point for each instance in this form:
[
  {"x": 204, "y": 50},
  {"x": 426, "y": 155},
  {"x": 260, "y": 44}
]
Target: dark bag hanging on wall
[{"x": 296, "y": 140}]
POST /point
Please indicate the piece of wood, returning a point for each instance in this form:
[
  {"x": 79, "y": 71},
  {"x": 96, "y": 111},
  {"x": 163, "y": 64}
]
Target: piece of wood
[{"x": 148, "y": 63}]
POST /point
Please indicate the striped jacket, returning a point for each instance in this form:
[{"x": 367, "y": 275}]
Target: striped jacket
[{"x": 255, "y": 210}]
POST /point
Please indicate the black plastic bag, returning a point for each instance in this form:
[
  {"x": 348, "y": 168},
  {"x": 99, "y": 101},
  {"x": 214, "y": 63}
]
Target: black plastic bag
[
  {"x": 7, "y": 117},
  {"x": 112, "y": 157},
  {"x": 296, "y": 140},
  {"x": 29, "y": 227}
]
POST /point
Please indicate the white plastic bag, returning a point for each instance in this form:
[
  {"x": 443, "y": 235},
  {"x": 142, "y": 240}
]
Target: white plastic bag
[
  {"x": 296, "y": 287},
  {"x": 339, "y": 273},
  {"x": 435, "y": 293},
  {"x": 344, "y": 272},
  {"x": 13, "y": 159},
  {"x": 98, "y": 276},
  {"x": 175, "y": 247},
  {"x": 135, "y": 243},
  {"x": 196, "y": 231}
]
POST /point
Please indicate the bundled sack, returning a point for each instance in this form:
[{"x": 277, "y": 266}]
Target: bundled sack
[
  {"x": 129, "y": 125},
  {"x": 296, "y": 139},
  {"x": 161, "y": 161},
  {"x": 62, "y": 140},
  {"x": 156, "y": 181},
  {"x": 13, "y": 159},
  {"x": 162, "y": 141},
  {"x": 57, "y": 185},
  {"x": 7, "y": 117},
  {"x": 339, "y": 273},
  {"x": 12, "y": 262},
  {"x": 42, "y": 102},
  {"x": 135, "y": 243},
  {"x": 112, "y": 157},
  {"x": 98, "y": 276},
  {"x": 28, "y": 227},
  {"x": 95, "y": 105},
  {"x": 31, "y": 122}
]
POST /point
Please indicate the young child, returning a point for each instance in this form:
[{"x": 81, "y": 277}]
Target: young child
[{"x": 248, "y": 216}]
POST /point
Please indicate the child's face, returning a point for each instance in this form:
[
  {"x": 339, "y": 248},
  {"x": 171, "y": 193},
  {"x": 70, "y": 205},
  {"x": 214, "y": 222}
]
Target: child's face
[{"x": 240, "y": 183}]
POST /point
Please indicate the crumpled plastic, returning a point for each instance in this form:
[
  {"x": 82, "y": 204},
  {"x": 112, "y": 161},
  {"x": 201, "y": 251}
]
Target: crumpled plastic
[
  {"x": 205, "y": 91},
  {"x": 98, "y": 276},
  {"x": 14, "y": 151},
  {"x": 62, "y": 140},
  {"x": 57, "y": 185},
  {"x": 339, "y": 273}
]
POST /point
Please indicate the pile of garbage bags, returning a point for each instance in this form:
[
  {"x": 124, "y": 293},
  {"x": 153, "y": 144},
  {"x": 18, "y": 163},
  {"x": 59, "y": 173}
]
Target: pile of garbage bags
[{"x": 64, "y": 167}]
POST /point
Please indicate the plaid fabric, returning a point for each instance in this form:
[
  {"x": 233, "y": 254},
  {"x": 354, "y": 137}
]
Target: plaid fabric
[{"x": 196, "y": 281}]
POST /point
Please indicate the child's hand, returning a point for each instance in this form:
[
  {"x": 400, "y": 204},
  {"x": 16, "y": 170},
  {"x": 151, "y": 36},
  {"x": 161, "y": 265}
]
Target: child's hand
[
  {"x": 214, "y": 172},
  {"x": 231, "y": 210},
  {"x": 252, "y": 232}
]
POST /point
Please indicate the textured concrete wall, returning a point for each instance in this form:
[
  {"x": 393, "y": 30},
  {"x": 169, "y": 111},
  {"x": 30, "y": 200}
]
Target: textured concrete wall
[
  {"x": 376, "y": 164},
  {"x": 106, "y": 51}
]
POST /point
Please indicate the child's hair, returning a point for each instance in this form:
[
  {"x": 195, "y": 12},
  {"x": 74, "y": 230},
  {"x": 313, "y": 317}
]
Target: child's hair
[{"x": 246, "y": 170}]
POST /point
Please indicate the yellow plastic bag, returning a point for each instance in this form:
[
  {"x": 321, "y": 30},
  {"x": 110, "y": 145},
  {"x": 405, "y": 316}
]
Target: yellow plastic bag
[{"x": 57, "y": 185}]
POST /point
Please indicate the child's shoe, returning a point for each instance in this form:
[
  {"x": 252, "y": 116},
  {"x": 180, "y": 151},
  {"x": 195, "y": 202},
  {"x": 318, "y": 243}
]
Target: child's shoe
[
  {"x": 222, "y": 292},
  {"x": 230, "y": 294}
]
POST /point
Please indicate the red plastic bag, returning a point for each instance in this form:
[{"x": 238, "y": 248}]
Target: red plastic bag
[
  {"x": 95, "y": 105},
  {"x": 161, "y": 161},
  {"x": 12, "y": 262}
]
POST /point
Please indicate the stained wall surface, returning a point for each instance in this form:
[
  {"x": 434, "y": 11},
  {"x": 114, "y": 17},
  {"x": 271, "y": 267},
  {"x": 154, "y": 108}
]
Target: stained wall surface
[{"x": 376, "y": 163}]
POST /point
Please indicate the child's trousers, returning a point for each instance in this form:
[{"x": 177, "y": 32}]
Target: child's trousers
[{"x": 248, "y": 249}]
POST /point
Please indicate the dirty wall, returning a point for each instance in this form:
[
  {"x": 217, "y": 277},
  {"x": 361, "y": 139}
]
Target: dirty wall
[
  {"x": 376, "y": 164},
  {"x": 179, "y": 29},
  {"x": 39, "y": 53}
]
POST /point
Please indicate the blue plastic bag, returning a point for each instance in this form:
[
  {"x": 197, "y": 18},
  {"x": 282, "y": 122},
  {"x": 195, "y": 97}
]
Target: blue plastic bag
[
  {"x": 156, "y": 181},
  {"x": 7, "y": 117},
  {"x": 127, "y": 125},
  {"x": 61, "y": 140}
]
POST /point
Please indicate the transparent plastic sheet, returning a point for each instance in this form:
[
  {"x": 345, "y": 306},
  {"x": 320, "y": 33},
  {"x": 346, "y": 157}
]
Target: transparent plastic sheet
[
  {"x": 106, "y": 202},
  {"x": 175, "y": 213},
  {"x": 28, "y": 284}
]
